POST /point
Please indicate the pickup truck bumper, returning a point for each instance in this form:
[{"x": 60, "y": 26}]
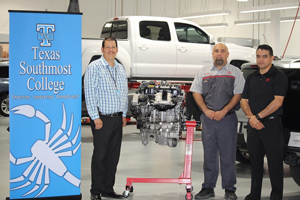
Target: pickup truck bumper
[{"x": 291, "y": 156}]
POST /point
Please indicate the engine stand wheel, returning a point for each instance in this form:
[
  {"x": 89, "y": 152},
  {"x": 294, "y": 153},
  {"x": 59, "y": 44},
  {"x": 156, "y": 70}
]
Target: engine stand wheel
[
  {"x": 129, "y": 189},
  {"x": 126, "y": 194},
  {"x": 190, "y": 189},
  {"x": 189, "y": 196}
]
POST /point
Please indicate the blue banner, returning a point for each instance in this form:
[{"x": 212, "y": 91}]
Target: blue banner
[{"x": 45, "y": 104}]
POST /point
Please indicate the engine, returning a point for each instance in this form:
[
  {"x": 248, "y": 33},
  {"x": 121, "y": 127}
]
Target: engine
[{"x": 158, "y": 111}]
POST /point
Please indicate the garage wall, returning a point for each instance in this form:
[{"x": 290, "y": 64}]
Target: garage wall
[{"x": 95, "y": 12}]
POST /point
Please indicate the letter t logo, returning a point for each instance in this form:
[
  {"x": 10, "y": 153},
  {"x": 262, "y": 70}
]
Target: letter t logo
[{"x": 46, "y": 33}]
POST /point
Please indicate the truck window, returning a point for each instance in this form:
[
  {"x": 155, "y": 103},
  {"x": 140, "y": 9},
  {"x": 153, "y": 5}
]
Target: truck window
[
  {"x": 191, "y": 34},
  {"x": 155, "y": 30},
  {"x": 117, "y": 29}
]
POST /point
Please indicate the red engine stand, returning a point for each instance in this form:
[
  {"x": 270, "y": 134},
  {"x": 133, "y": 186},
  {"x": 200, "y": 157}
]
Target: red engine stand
[{"x": 185, "y": 177}]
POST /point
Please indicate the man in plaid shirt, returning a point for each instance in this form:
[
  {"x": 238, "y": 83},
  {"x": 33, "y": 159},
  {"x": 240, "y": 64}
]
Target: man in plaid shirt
[{"x": 106, "y": 95}]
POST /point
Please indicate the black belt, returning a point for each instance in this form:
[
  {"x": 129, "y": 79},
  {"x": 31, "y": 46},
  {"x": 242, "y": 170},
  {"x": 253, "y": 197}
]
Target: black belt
[
  {"x": 112, "y": 114},
  {"x": 270, "y": 117},
  {"x": 230, "y": 112}
]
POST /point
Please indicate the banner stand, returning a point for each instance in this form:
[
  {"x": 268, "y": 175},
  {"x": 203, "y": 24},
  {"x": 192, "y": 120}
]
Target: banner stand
[
  {"x": 76, "y": 197},
  {"x": 45, "y": 89}
]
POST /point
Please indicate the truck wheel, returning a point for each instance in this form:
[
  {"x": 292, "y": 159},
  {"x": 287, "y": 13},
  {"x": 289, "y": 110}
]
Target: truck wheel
[
  {"x": 242, "y": 157},
  {"x": 4, "y": 110},
  {"x": 295, "y": 172}
]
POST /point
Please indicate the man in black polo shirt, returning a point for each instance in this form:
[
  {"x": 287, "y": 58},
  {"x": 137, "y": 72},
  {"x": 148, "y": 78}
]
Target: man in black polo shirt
[{"x": 262, "y": 100}]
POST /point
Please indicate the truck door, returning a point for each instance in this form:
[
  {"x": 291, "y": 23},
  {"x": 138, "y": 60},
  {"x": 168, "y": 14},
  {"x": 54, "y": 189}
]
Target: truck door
[
  {"x": 193, "y": 50},
  {"x": 155, "y": 50}
]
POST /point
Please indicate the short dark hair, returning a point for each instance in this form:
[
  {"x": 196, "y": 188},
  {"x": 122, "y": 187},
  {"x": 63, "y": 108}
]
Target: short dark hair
[
  {"x": 266, "y": 47},
  {"x": 109, "y": 39}
]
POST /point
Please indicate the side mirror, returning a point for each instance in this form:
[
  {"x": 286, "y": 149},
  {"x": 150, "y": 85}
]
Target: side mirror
[{"x": 212, "y": 40}]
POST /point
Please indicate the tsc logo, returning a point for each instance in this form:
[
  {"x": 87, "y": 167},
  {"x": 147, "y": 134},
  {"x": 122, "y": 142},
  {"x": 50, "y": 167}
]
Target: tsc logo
[{"x": 45, "y": 33}]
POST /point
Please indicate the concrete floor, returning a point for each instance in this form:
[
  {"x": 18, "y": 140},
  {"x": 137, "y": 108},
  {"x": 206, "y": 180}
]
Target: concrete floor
[{"x": 152, "y": 161}]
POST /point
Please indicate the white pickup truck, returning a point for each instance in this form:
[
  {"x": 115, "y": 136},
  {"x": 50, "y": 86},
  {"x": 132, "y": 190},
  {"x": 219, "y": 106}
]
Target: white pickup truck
[{"x": 160, "y": 47}]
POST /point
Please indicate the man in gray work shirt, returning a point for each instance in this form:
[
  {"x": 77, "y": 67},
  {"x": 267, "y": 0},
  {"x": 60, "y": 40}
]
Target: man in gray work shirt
[{"x": 217, "y": 91}]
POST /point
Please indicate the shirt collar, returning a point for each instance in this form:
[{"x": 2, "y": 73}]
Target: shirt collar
[
  {"x": 116, "y": 64},
  {"x": 214, "y": 68},
  {"x": 271, "y": 70}
]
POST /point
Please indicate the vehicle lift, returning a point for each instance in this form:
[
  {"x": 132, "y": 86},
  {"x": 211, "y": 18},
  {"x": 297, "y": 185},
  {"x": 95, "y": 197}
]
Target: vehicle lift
[{"x": 185, "y": 177}]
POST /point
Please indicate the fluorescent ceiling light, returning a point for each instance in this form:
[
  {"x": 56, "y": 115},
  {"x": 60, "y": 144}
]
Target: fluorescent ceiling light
[
  {"x": 248, "y": 22},
  {"x": 219, "y": 25},
  {"x": 271, "y": 7},
  {"x": 242, "y": 0},
  {"x": 265, "y": 21},
  {"x": 289, "y": 19},
  {"x": 204, "y": 14}
]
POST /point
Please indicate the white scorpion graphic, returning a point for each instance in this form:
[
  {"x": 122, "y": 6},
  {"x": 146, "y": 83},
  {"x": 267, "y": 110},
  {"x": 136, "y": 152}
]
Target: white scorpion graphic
[{"x": 46, "y": 154}]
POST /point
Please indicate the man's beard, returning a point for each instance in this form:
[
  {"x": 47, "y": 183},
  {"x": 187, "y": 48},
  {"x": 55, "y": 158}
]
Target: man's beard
[{"x": 219, "y": 62}]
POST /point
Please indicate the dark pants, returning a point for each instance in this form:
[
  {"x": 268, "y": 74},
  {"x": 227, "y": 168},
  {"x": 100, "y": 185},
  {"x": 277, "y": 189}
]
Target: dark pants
[
  {"x": 269, "y": 142},
  {"x": 219, "y": 143},
  {"x": 192, "y": 109},
  {"x": 106, "y": 154}
]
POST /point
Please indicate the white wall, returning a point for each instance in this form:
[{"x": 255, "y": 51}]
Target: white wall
[
  {"x": 33, "y": 5},
  {"x": 95, "y": 12}
]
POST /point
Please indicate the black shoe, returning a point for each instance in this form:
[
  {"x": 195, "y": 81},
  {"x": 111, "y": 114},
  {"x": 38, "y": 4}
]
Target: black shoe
[
  {"x": 205, "y": 193},
  {"x": 112, "y": 195},
  {"x": 247, "y": 197},
  {"x": 230, "y": 195},
  {"x": 95, "y": 197}
]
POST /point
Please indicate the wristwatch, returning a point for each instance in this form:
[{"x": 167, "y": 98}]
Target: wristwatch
[{"x": 258, "y": 117}]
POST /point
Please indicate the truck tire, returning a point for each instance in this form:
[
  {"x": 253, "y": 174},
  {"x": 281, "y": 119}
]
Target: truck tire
[
  {"x": 242, "y": 157},
  {"x": 295, "y": 172},
  {"x": 4, "y": 110}
]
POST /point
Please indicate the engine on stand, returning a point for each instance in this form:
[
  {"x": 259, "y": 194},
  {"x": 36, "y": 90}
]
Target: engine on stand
[{"x": 158, "y": 111}]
